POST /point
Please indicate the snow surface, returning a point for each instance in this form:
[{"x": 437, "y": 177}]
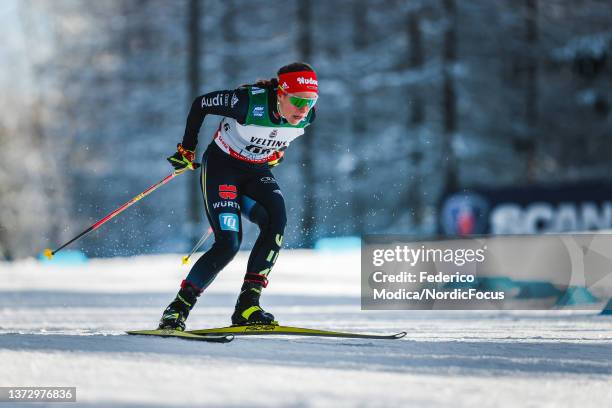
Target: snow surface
[{"x": 64, "y": 325}]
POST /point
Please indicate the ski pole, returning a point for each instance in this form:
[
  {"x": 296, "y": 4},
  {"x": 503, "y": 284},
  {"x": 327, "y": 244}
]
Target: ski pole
[
  {"x": 197, "y": 246},
  {"x": 49, "y": 253}
]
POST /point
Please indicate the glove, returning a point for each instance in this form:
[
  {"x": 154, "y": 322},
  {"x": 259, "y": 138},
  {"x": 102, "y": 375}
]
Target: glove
[
  {"x": 182, "y": 159},
  {"x": 277, "y": 158}
]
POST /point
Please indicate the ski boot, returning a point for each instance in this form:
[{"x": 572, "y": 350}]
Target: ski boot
[
  {"x": 248, "y": 311},
  {"x": 176, "y": 313}
]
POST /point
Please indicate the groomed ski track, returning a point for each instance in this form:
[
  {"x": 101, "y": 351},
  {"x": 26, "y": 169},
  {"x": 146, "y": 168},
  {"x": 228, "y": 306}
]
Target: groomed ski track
[{"x": 63, "y": 326}]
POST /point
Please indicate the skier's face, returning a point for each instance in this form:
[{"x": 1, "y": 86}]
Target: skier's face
[{"x": 295, "y": 114}]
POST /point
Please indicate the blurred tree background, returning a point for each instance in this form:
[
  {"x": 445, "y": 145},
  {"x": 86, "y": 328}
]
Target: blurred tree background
[{"x": 417, "y": 98}]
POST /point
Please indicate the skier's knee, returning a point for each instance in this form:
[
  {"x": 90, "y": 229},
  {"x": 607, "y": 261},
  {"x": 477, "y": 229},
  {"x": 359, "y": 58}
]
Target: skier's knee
[
  {"x": 278, "y": 223},
  {"x": 227, "y": 247},
  {"x": 231, "y": 245},
  {"x": 259, "y": 215}
]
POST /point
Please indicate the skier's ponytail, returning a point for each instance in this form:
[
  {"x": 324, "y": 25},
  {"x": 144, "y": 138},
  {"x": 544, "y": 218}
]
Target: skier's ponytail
[{"x": 267, "y": 83}]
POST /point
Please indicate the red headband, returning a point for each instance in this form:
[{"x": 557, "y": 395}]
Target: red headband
[{"x": 303, "y": 81}]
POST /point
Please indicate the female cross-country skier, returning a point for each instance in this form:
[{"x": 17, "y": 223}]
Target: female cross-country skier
[{"x": 259, "y": 122}]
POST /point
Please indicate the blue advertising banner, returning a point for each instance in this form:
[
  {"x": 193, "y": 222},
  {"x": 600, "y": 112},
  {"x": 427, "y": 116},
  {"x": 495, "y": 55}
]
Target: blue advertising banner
[{"x": 527, "y": 210}]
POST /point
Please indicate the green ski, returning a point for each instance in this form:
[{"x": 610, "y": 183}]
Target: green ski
[
  {"x": 214, "y": 338},
  {"x": 270, "y": 329}
]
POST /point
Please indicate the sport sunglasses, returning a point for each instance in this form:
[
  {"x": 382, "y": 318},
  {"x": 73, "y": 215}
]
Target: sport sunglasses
[{"x": 300, "y": 102}]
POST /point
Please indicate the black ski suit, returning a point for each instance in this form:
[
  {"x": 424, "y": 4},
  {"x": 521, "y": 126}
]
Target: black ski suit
[{"x": 230, "y": 176}]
